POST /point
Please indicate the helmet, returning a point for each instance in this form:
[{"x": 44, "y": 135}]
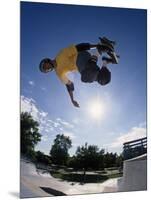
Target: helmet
[
  {"x": 104, "y": 76},
  {"x": 44, "y": 61}
]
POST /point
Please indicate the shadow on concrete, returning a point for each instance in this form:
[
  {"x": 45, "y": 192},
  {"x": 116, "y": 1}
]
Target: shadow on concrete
[
  {"x": 15, "y": 194},
  {"x": 52, "y": 191}
]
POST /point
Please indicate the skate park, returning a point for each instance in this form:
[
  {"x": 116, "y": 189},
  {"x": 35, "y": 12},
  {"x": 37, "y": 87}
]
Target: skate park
[{"x": 37, "y": 183}]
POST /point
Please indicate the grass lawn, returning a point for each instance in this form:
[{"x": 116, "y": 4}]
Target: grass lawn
[{"x": 89, "y": 178}]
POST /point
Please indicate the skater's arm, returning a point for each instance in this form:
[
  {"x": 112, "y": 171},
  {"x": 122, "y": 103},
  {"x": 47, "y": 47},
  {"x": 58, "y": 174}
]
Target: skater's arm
[
  {"x": 69, "y": 85},
  {"x": 70, "y": 89},
  {"x": 86, "y": 46}
]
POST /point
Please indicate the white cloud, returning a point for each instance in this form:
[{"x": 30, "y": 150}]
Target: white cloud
[
  {"x": 67, "y": 124},
  {"x": 31, "y": 83},
  {"x": 76, "y": 121},
  {"x": 61, "y": 129},
  {"x": 56, "y": 124},
  {"x": 43, "y": 88},
  {"x": 49, "y": 120},
  {"x": 51, "y": 129},
  {"x": 43, "y": 114},
  {"x": 44, "y": 138},
  {"x": 46, "y": 125},
  {"x": 29, "y": 105},
  {"x": 133, "y": 134},
  {"x": 58, "y": 119}
]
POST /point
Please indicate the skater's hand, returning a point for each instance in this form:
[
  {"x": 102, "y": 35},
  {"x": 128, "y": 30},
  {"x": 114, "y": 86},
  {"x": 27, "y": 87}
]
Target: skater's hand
[
  {"x": 70, "y": 89},
  {"x": 75, "y": 103}
]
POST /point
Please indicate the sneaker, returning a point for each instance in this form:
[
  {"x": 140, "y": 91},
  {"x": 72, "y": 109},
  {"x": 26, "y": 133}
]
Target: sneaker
[{"x": 107, "y": 42}]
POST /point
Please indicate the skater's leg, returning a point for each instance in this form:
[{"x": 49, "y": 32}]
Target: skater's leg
[{"x": 90, "y": 72}]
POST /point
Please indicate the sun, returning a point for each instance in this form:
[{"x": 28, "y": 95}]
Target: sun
[{"x": 96, "y": 109}]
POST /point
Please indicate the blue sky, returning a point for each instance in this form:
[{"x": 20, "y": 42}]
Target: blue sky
[{"x": 45, "y": 29}]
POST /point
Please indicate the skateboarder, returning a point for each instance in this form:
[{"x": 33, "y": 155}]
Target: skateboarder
[{"x": 78, "y": 58}]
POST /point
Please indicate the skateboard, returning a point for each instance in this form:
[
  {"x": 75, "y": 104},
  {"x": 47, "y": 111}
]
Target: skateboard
[{"x": 109, "y": 48}]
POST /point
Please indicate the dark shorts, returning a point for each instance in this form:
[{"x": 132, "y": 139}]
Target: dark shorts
[{"x": 87, "y": 68}]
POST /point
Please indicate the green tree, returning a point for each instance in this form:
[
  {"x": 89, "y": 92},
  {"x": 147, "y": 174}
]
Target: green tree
[
  {"x": 42, "y": 158},
  {"x": 101, "y": 155},
  {"x": 88, "y": 157},
  {"x": 29, "y": 134},
  {"x": 110, "y": 159},
  {"x": 59, "y": 151},
  {"x": 119, "y": 161},
  {"x": 72, "y": 162}
]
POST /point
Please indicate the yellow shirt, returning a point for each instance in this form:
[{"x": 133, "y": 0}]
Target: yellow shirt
[{"x": 66, "y": 62}]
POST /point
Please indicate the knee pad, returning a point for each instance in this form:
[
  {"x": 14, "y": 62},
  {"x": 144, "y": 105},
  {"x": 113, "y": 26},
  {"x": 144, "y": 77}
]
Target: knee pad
[{"x": 104, "y": 76}]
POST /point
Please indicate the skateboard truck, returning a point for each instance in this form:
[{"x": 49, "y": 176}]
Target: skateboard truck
[
  {"x": 109, "y": 44},
  {"x": 114, "y": 57}
]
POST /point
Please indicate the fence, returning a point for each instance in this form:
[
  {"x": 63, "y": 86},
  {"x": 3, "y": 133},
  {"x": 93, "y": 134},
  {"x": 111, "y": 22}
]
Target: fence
[{"x": 134, "y": 148}]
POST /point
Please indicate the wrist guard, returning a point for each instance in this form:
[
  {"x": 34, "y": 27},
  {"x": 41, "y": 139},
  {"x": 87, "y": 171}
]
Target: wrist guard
[{"x": 70, "y": 87}]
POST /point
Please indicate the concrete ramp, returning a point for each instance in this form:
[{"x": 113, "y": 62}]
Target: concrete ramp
[
  {"x": 134, "y": 174},
  {"x": 34, "y": 183}
]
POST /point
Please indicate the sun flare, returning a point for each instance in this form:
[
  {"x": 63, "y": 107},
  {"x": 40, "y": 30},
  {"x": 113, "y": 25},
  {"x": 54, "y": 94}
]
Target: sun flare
[{"x": 96, "y": 109}]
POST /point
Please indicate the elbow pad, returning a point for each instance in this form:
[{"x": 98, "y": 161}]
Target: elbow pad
[{"x": 70, "y": 87}]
